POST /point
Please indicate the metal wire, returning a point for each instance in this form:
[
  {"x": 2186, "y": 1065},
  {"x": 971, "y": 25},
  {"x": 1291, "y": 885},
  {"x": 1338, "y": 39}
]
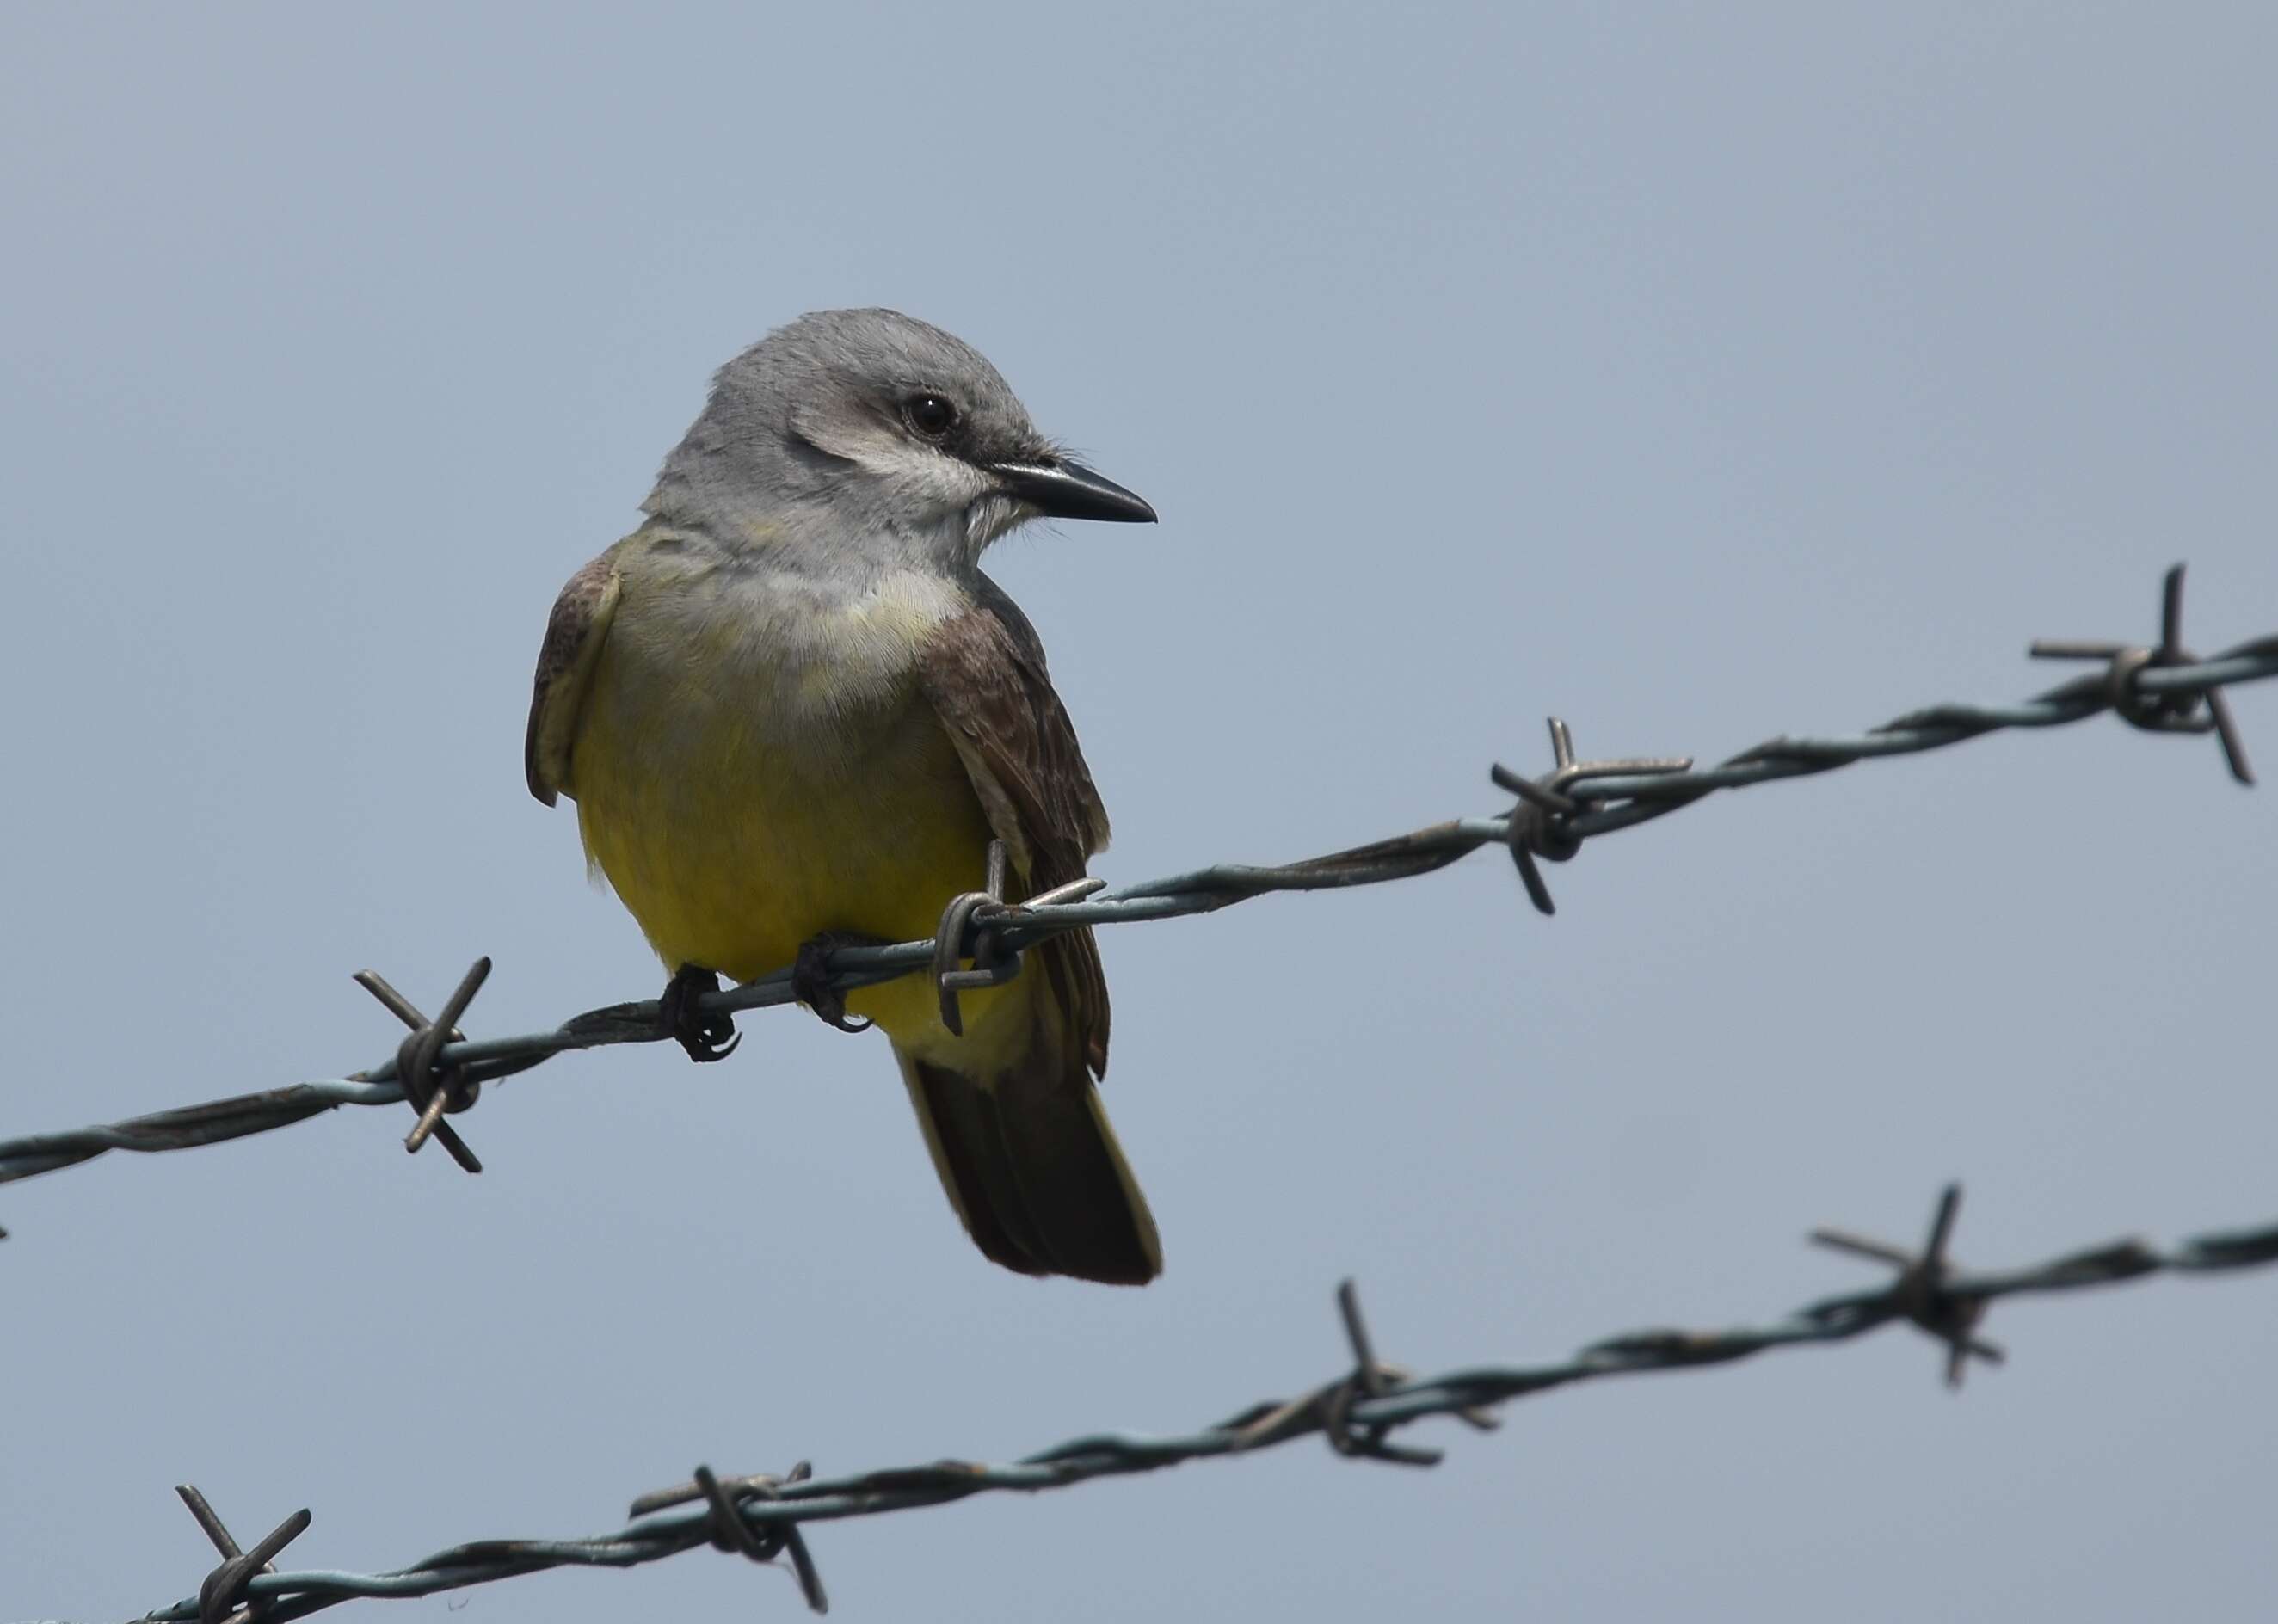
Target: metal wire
[
  {"x": 2160, "y": 687},
  {"x": 1359, "y": 1412}
]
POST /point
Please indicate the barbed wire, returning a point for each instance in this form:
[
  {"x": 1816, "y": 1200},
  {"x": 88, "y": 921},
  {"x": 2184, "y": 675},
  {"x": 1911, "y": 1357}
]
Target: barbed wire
[
  {"x": 2160, "y": 687},
  {"x": 762, "y": 1516}
]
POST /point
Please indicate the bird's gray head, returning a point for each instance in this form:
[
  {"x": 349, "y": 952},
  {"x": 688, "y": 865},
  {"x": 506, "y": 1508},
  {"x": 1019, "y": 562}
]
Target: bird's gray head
[{"x": 868, "y": 434}]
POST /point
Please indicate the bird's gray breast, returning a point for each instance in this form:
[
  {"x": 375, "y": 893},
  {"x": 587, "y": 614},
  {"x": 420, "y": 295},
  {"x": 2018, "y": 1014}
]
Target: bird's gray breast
[{"x": 819, "y": 674}]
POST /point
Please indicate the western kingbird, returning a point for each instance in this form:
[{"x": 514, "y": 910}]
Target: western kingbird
[{"x": 793, "y": 713}]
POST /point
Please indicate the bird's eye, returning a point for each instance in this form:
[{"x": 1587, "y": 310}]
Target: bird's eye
[{"x": 930, "y": 414}]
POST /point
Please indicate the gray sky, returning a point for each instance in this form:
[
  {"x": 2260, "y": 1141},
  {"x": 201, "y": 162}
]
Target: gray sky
[{"x": 1697, "y": 374}]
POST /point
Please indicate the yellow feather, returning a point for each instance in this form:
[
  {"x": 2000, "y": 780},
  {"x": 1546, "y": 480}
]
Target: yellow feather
[{"x": 732, "y": 866}]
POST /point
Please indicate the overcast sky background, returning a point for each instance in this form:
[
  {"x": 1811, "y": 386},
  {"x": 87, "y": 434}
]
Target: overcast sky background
[{"x": 1697, "y": 374}]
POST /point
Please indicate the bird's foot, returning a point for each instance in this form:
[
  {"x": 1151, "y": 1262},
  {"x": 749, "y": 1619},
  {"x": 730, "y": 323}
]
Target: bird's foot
[
  {"x": 704, "y": 1037},
  {"x": 810, "y": 977}
]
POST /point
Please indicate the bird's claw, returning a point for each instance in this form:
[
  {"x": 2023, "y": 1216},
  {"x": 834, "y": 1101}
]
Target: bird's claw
[
  {"x": 810, "y": 979},
  {"x": 704, "y": 1037}
]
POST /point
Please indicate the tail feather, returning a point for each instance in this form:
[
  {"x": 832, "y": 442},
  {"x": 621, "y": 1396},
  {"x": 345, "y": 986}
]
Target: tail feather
[
  {"x": 1032, "y": 1167},
  {"x": 959, "y": 1121}
]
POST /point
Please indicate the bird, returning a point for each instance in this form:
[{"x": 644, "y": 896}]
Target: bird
[{"x": 794, "y": 715}]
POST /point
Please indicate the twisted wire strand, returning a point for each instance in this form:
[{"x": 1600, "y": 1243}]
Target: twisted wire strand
[
  {"x": 1357, "y": 1412},
  {"x": 2163, "y": 689}
]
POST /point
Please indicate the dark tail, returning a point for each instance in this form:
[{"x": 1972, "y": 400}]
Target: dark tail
[{"x": 1033, "y": 1168}]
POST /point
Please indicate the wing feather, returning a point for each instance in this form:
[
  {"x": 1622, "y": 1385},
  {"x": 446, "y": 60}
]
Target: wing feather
[
  {"x": 983, "y": 671},
  {"x": 575, "y": 633}
]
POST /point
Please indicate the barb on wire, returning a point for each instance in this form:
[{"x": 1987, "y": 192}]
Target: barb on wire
[
  {"x": 1922, "y": 1286},
  {"x": 225, "y": 1587},
  {"x": 2155, "y": 712},
  {"x": 992, "y": 967},
  {"x": 432, "y": 1088},
  {"x": 2162, "y": 688},
  {"x": 762, "y": 1517},
  {"x": 1542, "y": 825},
  {"x": 730, "y": 1532}
]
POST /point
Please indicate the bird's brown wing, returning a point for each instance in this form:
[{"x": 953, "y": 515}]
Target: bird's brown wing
[
  {"x": 984, "y": 672},
  {"x": 574, "y": 635}
]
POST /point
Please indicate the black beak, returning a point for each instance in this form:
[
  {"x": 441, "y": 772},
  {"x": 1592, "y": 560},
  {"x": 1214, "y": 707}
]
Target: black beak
[{"x": 1065, "y": 490}]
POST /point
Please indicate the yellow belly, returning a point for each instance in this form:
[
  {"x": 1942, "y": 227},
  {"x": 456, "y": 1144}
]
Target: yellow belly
[{"x": 730, "y": 850}]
